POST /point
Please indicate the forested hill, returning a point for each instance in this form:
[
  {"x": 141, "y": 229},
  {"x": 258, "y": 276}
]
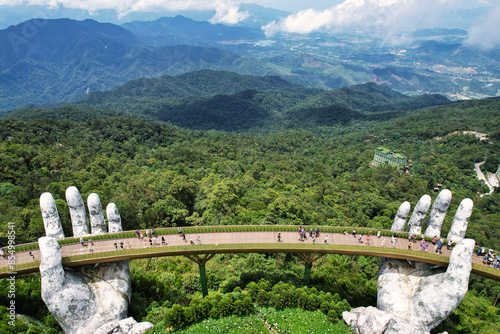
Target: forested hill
[
  {"x": 164, "y": 175},
  {"x": 197, "y": 83},
  {"x": 221, "y": 100},
  {"x": 62, "y": 58},
  {"x": 161, "y": 175}
]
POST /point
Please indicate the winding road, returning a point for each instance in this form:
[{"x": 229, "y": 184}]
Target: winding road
[{"x": 491, "y": 181}]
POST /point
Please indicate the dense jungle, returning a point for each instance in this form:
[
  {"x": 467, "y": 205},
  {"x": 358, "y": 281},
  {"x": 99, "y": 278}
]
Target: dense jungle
[{"x": 163, "y": 175}]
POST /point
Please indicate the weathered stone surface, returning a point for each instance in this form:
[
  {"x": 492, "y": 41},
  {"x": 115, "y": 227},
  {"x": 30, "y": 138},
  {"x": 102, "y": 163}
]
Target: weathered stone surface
[
  {"x": 416, "y": 297},
  {"x": 125, "y": 326},
  {"x": 97, "y": 222},
  {"x": 418, "y": 216},
  {"x": 461, "y": 221},
  {"x": 438, "y": 213},
  {"x": 82, "y": 300},
  {"x": 370, "y": 320},
  {"x": 50, "y": 216},
  {"x": 400, "y": 219},
  {"x": 86, "y": 298},
  {"x": 114, "y": 219},
  {"x": 77, "y": 211}
]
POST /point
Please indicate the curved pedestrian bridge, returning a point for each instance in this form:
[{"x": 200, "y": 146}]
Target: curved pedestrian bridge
[{"x": 235, "y": 239}]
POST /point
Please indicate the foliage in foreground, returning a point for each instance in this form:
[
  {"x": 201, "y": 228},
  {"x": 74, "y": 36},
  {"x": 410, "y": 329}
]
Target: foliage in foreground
[
  {"x": 250, "y": 324},
  {"x": 240, "y": 302},
  {"x": 297, "y": 320},
  {"x": 265, "y": 320}
]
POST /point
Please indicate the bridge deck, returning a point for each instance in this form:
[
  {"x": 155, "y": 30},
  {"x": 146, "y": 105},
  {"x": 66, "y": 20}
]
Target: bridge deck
[{"x": 237, "y": 242}]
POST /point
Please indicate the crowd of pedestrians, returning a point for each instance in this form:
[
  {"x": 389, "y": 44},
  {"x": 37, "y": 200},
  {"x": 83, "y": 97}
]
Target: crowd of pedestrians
[
  {"x": 150, "y": 237},
  {"x": 489, "y": 258}
]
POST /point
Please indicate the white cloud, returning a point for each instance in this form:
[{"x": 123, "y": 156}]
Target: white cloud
[
  {"x": 302, "y": 22},
  {"x": 383, "y": 16},
  {"x": 486, "y": 33},
  {"x": 226, "y": 10},
  {"x": 387, "y": 18},
  {"x": 228, "y": 13}
]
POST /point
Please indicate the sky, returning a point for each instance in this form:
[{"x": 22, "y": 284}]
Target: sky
[{"x": 388, "y": 16}]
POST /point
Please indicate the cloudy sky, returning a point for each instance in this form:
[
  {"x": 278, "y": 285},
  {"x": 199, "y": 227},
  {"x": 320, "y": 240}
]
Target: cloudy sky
[{"x": 390, "y": 16}]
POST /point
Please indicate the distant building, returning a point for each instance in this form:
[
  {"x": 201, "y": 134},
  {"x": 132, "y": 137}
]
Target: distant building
[
  {"x": 386, "y": 156},
  {"x": 498, "y": 173}
]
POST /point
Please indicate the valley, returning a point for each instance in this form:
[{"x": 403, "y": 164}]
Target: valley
[
  {"x": 104, "y": 56},
  {"x": 191, "y": 124}
]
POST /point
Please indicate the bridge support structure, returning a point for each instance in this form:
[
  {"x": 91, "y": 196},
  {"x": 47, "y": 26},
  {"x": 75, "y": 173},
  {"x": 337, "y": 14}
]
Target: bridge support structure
[
  {"x": 309, "y": 259},
  {"x": 201, "y": 261}
]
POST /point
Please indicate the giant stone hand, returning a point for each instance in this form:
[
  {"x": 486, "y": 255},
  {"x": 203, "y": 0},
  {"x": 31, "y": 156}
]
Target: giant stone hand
[
  {"x": 86, "y": 299},
  {"x": 415, "y": 297}
]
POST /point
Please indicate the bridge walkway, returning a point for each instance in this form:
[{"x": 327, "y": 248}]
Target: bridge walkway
[{"x": 234, "y": 242}]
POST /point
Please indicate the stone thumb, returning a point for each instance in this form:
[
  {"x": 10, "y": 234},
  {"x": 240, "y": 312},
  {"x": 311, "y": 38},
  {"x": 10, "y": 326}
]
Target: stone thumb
[
  {"x": 460, "y": 265},
  {"x": 51, "y": 269}
]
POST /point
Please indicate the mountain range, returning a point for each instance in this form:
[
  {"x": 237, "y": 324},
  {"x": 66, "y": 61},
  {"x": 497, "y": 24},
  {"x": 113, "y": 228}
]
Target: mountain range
[
  {"x": 257, "y": 16},
  {"x": 183, "y": 31},
  {"x": 62, "y": 60},
  {"x": 227, "y": 101}
]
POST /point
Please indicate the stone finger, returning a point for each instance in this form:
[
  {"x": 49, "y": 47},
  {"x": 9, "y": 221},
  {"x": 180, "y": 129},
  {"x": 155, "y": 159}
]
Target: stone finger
[
  {"x": 77, "y": 211},
  {"x": 418, "y": 216},
  {"x": 438, "y": 212},
  {"x": 114, "y": 219},
  {"x": 400, "y": 219},
  {"x": 461, "y": 221},
  {"x": 97, "y": 222},
  {"x": 51, "y": 269},
  {"x": 457, "y": 275},
  {"x": 50, "y": 216}
]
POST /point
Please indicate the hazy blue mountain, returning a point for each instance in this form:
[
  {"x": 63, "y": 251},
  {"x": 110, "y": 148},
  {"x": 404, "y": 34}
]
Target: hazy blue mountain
[
  {"x": 439, "y": 32},
  {"x": 182, "y": 30},
  {"x": 259, "y": 16},
  {"x": 13, "y": 15},
  {"x": 58, "y": 60}
]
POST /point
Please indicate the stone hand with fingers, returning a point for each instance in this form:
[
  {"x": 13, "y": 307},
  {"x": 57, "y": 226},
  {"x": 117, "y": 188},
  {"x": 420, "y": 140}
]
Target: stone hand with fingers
[
  {"x": 415, "y": 297},
  {"x": 86, "y": 299}
]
